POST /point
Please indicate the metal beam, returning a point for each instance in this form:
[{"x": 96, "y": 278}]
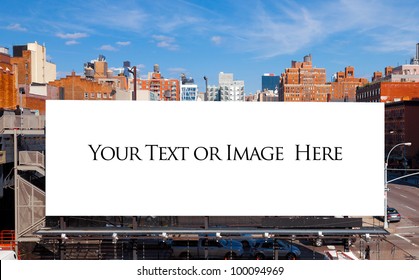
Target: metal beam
[
  {"x": 223, "y": 231},
  {"x": 24, "y": 131},
  {"x": 31, "y": 168}
]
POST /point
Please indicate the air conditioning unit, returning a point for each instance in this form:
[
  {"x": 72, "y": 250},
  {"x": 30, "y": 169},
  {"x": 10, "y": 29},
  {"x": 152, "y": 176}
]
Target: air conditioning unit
[{"x": 2, "y": 157}]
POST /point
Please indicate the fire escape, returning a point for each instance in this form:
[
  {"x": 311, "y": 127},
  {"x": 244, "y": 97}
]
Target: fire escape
[{"x": 29, "y": 199}]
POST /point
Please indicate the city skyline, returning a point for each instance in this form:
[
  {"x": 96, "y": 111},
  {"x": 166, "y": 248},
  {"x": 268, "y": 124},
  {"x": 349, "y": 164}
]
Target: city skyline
[{"x": 200, "y": 39}]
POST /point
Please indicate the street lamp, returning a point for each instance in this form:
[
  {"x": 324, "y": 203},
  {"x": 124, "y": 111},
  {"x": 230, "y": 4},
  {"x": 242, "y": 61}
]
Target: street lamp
[
  {"x": 206, "y": 88},
  {"x": 386, "y": 181},
  {"x": 133, "y": 71}
]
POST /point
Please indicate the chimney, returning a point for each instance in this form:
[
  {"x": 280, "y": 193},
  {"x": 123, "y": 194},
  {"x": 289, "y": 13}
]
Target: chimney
[
  {"x": 388, "y": 70},
  {"x": 377, "y": 75}
]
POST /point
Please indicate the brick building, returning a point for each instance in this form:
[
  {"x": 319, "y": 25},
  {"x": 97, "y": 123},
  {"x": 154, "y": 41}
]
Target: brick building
[
  {"x": 401, "y": 126},
  {"x": 385, "y": 91},
  {"x": 344, "y": 85},
  {"x": 28, "y": 73},
  {"x": 398, "y": 84},
  {"x": 8, "y": 91},
  {"x": 75, "y": 87},
  {"x": 37, "y": 94},
  {"x": 32, "y": 64},
  {"x": 97, "y": 70},
  {"x": 303, "y": 82},
  {"x": 165, "y": 89}
]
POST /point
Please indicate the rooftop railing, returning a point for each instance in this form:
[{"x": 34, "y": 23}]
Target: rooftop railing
[{"x": 26, "y": 122}]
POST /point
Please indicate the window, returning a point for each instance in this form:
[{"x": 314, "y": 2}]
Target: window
[
  {"x": 105, "y": 95},
  {"x": 92, "y": 95},
  {"x": 86, "y": 95},
  {"x": 99, "y": 95},
  {"x": 267, "y": 245}
]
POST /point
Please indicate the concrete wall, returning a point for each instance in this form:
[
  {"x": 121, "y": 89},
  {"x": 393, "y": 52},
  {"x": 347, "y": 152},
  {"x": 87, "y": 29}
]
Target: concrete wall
[{"x": 42, "y": 71}]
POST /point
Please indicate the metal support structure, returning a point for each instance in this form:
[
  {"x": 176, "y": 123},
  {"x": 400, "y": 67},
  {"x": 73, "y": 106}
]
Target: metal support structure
[
  {"x": 107, "y": 233},
  {"x": 206, "y": 222},
  {"x": 134, "y": 244},
  {"x": 24, "y": 125},
  {"x": 16, "y": 191},
  {"x": 386, "y": 181}
]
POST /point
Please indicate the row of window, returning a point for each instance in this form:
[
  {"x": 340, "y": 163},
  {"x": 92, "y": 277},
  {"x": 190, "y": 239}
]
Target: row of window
[
  {"x": 309, "y": 99},
  {"x": 371, "y": 93},
  {"x": 98, "y": 95}
]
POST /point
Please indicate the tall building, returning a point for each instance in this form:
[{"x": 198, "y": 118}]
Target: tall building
[
  {"x": 8, "y": 91},
  {"x": 401, "y": 126},
  {"x": 213, "y": 93},
  {"x": 188, "y": 89},
  {"x": 165, "y": 89},
  {"x": 303, "y": 82},
  {"x": 32, "y": 64},
  {"x": 230, "y": 89},
  {"x": 270, "y": 82},
  {"x": 344, "y": 85}
]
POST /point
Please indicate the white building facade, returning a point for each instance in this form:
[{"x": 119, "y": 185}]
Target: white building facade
[
  {"x": 188, "y": 92},
  {"x": 230, "y": 89},
  {"x": 188, "y": 89},
  {"x": 42, "y": 71}
]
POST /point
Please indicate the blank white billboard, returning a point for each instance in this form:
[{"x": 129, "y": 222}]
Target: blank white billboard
[{"x": 214, "y": 158}]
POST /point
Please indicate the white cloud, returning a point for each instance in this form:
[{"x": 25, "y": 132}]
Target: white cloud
[
  {"x": 73, "y": 36},
  {"x": 274, "y": 29},
  {"x": 111, "y": 16},
  {"x": 163, "y": 38},
  {"x": 178, "y": 20},
  {"x": 16, "y": 27},
  {"x": 216, "y": 40},
  {"x": 166, "y": 42},
  {"x": 126, "y": 43},
  {"x": 108, "y": 48},
  {"x": 71, "y": 42}
]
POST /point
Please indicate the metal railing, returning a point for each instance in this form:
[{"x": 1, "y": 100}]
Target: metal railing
[
  {"x": 32, "y": 158},
  {"x": 22, "y": 122},
  {"x": 30, "y": 207},
  {"x": 7, "y": 240},
  {"x": 383, "y": 249}
]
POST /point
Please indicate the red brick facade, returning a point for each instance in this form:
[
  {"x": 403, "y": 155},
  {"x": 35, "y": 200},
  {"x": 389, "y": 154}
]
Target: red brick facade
[
  {"x": 165, "y": 89},
  {"x": 401, "y": 126},
  {"x": 345, "y": 84},
  {"x": 388, "y": 92},
  {"x": 78, "y": 88},
  {"x": 8, "y": 91},
  {"x": 302, "y": 82},
  {"x": 23, "y": 67}
]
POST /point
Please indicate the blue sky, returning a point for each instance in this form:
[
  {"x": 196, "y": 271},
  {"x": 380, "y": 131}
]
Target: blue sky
[{"x": 247, "y": 38}]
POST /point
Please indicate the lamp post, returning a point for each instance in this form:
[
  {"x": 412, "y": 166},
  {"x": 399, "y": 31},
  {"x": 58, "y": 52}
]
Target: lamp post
[
  {"x": 386, "y": 181},
  {"x": 206, "y": 88},
  {"x": 133, "y": 71}
]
